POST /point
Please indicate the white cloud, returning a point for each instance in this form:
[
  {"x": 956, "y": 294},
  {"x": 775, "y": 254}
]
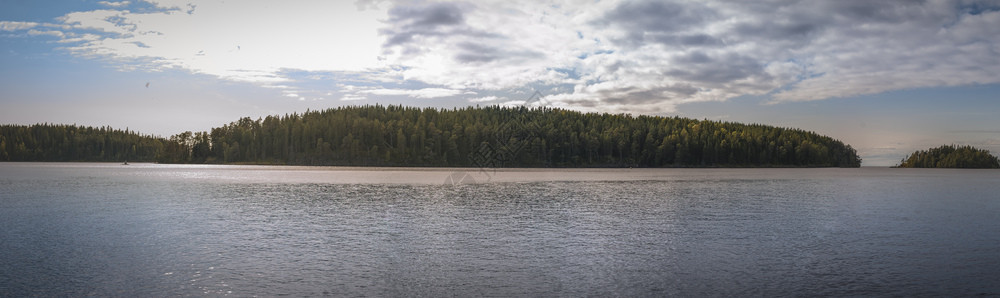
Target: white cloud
[
  {"x": 114, "y": 4},
  {"x": 417, "y": 93},
  {"x": 236, "y": 40},
  {"x": 46, "y": 32},
  {"x": 353, "y": 97},
  {"x": 16, "y": 26},
  {"x": 486, "y": 99}
]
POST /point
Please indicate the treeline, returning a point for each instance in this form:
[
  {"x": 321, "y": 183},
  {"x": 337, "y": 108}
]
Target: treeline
[
  {"x": 52, "y": 142},
  {"x": 951, "y": 156},
  {"x": 502, "y": 137}
]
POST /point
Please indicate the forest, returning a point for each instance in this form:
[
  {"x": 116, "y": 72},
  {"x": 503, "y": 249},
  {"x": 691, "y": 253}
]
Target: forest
[
  {"x": 56, "y": 142},
  {"x": 951, "y": 156},
  {"x": 493, "y": 136}
]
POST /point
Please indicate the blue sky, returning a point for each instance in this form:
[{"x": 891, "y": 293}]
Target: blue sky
[{"x": 887, "y": 77}]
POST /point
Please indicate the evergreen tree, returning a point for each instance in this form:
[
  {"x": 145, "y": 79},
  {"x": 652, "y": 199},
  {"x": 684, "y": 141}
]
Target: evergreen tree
[
  {"x": 493, "y": 136},
  {"x": 951, "y": 156},
  {"x": 518, "y": 137},
  {"x": 51, "y": 142}
]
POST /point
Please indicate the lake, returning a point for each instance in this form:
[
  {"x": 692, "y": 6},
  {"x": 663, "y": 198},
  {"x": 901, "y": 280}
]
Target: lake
[{"x": 74, "y": 229}]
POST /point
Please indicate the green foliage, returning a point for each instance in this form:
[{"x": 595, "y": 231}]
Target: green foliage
[
  {"x": 49, "y": 142},
  {"x": 951, "y": 156},
  {"x": 468, "y": 137},
  {"x": 503, "y": 137}
]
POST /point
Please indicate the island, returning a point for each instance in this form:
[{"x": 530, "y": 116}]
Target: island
[
  {"x": 951, "y": 156},
  {"x": 492, "y": 136}
]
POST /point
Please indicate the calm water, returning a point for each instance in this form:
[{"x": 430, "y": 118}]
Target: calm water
[{"x": 165, "y": 230}]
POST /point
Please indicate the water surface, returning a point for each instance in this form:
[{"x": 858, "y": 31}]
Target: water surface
[{"x": 175, "y": 230}]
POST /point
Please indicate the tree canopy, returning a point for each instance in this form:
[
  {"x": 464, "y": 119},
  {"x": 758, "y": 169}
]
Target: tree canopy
[
  {"x": 56, "y": 142},
  {"x": 951, "y": 156},
  {"x": 493, "y": 136}
]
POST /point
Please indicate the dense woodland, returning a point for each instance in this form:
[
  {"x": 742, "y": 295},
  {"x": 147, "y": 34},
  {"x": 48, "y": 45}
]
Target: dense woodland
[
  {"x": 502, "y": 137},
  {"x": 951, "y": 156},
  {"x": 49, "y": 142},
  {"x": 468, "y": 137}
]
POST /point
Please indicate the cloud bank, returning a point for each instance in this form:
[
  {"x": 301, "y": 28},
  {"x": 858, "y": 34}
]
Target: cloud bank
[{"x": 613, "y": 56}]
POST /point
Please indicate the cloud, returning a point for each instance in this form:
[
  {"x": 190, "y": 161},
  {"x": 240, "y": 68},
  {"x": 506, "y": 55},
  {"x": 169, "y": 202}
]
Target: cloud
[
  {"x": 433, "y": 19},
  {"x": 644, "y": 22},
  {"x": 873, "y": 48},
  {"x": 55, "y": 33},
  {"x": 668, "y": 53},
  {"x": 418, "y": 93},
  {"x": 237, "y": 40},
  {"x": 114, "y": 4},
  {"x": 486, "y": 99},
  {"x": 16, "y": 26},
  {"x": 615, "y": 56},
  {"x": 513, "y": 103},
  {"x": 353, "y": 97},
  {"x": 485, "y": 46},
  {"x": 622, "y": 56}
]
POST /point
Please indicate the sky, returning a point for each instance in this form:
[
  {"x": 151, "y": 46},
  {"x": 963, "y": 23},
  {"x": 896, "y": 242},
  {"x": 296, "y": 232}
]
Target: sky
[{"x": 887, "y": 77}]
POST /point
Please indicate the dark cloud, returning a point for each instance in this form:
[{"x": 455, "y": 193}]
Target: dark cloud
[
  {"x": 658, "y": 22},
  {"x": 427, "y": 17},
  {"x": 414, "y": 29},
  {"x": 802, "y": 22},
  {"x": 795, "y": 23},
  {"x": 643, "y": 96},
  {"x": 861, "y": 11},
  {"x": 663, "y": 53},
  {"x": 470, "y": 52},
  {"x": 438, "y": 14},
  {"x": 776, "y": 30},
  {"x": 654, "y": 16},
  {"x": 477, "y": 53},
  {"x": 976, "y": 8},
  {"x": 434, "y": 19},
  {"x": 683, "y": 41},
  {"x": 844, "y": 11},
  {"x": 696, "y": 57},
  {"x": 729, "y": 46},
  {"x": 698, "y": 67},
  {"x": 790, "y": 24},
  {"x": 698, "y": 40}
]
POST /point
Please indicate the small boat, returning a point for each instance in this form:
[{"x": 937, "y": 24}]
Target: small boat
[{"x": 125, "y": 163}]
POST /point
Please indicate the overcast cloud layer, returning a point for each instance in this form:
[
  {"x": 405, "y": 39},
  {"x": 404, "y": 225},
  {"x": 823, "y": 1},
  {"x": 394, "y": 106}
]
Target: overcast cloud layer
[{"x": 611, "y": 56}]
